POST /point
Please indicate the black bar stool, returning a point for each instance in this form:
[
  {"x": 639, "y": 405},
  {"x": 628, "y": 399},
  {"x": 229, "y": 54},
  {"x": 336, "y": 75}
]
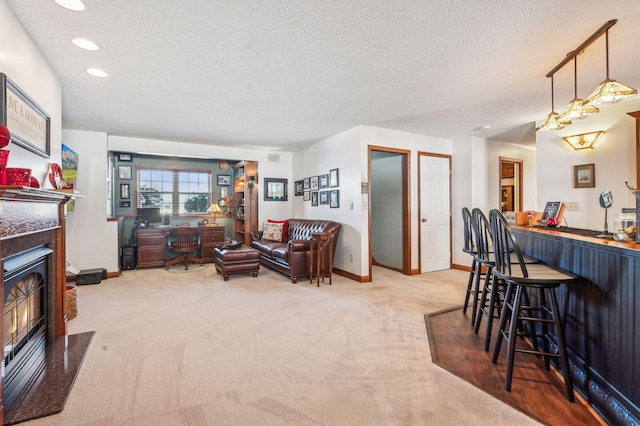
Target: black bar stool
[
  {"x": 470, "y": 248},
  {"x": 527, "y": 317},
  {"x": 493, "y": 287}
]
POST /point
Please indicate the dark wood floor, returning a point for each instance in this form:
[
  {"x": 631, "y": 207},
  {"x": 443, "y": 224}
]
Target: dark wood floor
[{"x": 534, "y": 391}]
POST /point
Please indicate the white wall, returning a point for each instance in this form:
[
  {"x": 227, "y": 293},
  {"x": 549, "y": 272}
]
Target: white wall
[
  {"x": 614, "y": 159},
  {"x": 497, "y": 149},
  {"x": 341, "y": 151},
  {"x": 23, "y": 63}
]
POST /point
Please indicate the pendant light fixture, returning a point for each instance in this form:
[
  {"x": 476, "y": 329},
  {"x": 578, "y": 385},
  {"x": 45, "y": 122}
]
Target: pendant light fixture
[
  {"x": 610, "y": 91},
  {"x": 552, "y": 122},
  {"x": 577, "y": 109}
]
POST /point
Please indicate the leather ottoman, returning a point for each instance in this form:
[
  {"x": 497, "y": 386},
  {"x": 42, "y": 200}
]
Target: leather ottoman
[{"x": 241, "y": 259}]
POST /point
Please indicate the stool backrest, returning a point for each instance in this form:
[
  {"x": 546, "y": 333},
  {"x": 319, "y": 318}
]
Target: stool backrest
[
  {"x": 482, "y": 234},
  {"x": 505, "y": 245},
  {"x": 468, "y": 231}
]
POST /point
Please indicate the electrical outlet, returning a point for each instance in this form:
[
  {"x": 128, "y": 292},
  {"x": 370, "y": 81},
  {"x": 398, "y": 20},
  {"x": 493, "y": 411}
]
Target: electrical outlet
[
  {"x": 351, "y": 258},
  {"x": 572, "y": 206}
]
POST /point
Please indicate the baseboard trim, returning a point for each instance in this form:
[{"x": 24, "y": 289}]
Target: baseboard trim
[
  {"x": 358, "y": 278},
  {"x": 461, "y": 267}
]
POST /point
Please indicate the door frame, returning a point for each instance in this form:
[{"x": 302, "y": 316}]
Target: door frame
[
  {"x": 517, "y": 176},
  {"x": 448, "y": 157},
  {"x": 406, "y": 223}
]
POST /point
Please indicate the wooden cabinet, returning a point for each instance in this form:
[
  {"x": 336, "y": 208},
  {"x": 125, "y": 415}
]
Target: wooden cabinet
[
  {"x": 245, "y": 186},
  {"x": 151, "y": 247},
  {"x": 211, "y": 237}
]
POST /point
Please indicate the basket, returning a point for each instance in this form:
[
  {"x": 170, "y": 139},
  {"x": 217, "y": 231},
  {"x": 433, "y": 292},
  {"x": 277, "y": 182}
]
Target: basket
[{"x": 72, "y": 302}]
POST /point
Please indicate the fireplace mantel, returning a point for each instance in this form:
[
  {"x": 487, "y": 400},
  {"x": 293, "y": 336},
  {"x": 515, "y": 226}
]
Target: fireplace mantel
[{"x": 30, "y": 218}]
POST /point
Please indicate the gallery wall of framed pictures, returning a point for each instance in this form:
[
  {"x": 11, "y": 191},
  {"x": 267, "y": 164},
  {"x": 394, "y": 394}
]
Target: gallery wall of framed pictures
[{"x": 320, "y": 189}]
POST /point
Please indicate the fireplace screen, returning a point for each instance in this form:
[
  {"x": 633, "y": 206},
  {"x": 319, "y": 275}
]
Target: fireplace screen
[
  {"x": 24, "y": 317},
  {"x": 22, "y": 314}
]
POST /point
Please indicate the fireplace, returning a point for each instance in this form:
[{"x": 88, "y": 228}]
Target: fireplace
[
  {"x": 40, "y": 360},
  {"x": 24, "y": 325}
]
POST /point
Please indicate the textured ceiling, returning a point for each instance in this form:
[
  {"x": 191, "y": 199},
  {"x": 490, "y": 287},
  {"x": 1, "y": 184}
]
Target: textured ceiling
[{"x": 276, "y": 74}]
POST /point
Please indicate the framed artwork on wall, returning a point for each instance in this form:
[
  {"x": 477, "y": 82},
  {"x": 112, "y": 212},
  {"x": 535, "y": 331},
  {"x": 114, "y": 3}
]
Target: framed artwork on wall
[
  {"x": 298, "y": 188},
  {"x": 334, "y": 199},
  {"x": 313, "y": 183},
  {"x": 334, "y": 178},
  {"x": 305, "y": 183},
  {"x": 30, "y": 125},
  {"x": 306, "y": 196},
  {"x": 324, "y": 181},
  {"x": 124, "y": 172},
  {"x": 125, "y": 157},
  {"x": 584, "y": 176},
  {"x": 224, "y": 180},
  {"x": 324, "y": 197},
  {"x": 124, "y": 191},
  {"x": 314, "y": 198}
]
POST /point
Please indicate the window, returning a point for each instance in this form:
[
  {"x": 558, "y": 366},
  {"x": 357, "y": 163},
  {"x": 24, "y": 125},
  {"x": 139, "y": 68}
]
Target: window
[{"x": 175, "y": 191}]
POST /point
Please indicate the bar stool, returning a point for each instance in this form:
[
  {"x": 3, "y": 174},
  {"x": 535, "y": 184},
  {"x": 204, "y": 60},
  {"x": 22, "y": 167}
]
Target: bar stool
[
  {"x": 493, "y": 288},
  {"x": 539, "y": 279},
  {"x": 470, "y": 249}
]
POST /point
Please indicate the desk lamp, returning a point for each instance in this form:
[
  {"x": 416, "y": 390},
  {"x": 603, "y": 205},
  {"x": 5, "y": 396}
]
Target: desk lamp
[{"x": 214, "y": 209}]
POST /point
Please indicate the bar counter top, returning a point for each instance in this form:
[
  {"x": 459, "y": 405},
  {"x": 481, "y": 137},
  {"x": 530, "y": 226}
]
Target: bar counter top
[
  {"x": 580, "y": 235},
  {"x": 600, "y": 314}
]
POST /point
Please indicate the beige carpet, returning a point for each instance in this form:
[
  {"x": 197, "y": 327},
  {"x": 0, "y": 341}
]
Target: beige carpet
[{"x": 192, "y": 349}]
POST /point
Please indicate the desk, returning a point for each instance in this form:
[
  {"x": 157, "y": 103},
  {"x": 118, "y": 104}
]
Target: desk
[
  {"x": 152, "y": 246},
  {"x": 324, "y": 242}
]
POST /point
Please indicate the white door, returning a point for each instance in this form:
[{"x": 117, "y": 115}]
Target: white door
[{"x": 435, "y": 213}]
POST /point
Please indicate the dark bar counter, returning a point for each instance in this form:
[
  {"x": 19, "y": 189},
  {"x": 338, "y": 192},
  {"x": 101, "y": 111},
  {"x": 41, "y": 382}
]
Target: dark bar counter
[{"x": 601, "y": 314}]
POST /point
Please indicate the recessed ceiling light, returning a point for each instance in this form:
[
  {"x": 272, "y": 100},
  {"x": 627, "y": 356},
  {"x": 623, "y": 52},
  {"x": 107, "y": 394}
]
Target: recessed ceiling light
[
  {"x": 85, "y": 44},
  {"x": 75, "y": 5},
  {"x": 96, "y": 72}
]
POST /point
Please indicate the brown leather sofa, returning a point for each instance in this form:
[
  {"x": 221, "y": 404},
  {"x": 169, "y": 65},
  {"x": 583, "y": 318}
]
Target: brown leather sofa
[{"x": 291, "y": 257}]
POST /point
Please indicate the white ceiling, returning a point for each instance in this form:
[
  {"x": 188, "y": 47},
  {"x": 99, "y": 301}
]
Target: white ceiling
[{"x": 277, "y": 74}]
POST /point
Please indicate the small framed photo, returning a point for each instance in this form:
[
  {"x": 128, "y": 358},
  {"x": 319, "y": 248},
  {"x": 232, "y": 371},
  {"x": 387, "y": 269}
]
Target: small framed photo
[
  {"x": 124, "y": 191},
  {"x": 124, "y": 172},
  {"x": 305, "y": 183},
  {"x": 584, "y": 176},
  {"x": 334, "y": 199},
  {"x": 224, "y": 180},
  {"x": 306, "y": 196},
  {"x": 314, "y": 198},
  {"x": 224, "y": 192},
  {"x": 124, "y": 157},
  {"x": 324, "y": 181},
  {"x": 324, "y": 197},
  {"x": 314, "y": 183},
  {"x": 125, "y": 204},
  {"x": 298, "y": 188},
  {"x": 334, "y": 178}
]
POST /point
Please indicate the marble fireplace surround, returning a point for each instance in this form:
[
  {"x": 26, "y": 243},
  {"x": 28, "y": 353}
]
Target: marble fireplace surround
[{"x": 32, "y": 218}]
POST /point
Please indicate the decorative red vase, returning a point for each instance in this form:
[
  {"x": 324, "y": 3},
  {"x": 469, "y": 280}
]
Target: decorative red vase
[{"x": 552, "y": 222}]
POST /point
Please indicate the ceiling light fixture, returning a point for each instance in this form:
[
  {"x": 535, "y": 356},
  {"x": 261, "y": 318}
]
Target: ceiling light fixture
[
  {"x": 610, "y": 91},
  {"x": 583, "y": 141},
  {"x": 85, "y": 44},
  {"x": 553, "y": 122},
  {"x": 96, "y": 72},
  {"x": 75, "y": 5},
  {"x": 577, "y": 109}
]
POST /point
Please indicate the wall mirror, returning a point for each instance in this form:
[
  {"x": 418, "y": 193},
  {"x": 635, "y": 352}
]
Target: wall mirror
[{"x": 275, "y": 189}]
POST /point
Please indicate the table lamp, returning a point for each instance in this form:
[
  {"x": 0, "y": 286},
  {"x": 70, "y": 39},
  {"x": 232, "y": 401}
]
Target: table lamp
[{"x": 214, "y": 209}]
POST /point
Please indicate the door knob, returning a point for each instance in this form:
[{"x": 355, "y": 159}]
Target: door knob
[{"x": 424, "y": 220}]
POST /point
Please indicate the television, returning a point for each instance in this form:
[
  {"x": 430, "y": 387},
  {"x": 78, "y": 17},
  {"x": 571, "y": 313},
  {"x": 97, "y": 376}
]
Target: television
[{"x": 148, "y": 215}]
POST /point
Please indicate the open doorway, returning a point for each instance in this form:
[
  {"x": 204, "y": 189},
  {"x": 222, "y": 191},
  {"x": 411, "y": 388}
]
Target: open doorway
[
  {"x": 389, "y": 232},
  {"x": 510, "y": 173}
]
